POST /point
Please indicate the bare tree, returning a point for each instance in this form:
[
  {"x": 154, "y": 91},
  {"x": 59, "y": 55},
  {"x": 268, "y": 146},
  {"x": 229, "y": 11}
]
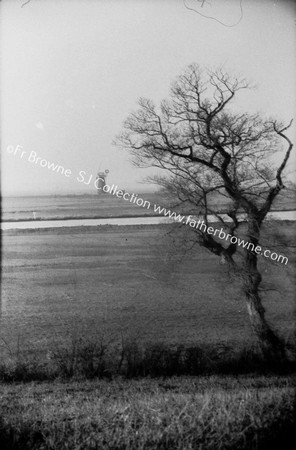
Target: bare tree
[{"x": 207, "y": 149}]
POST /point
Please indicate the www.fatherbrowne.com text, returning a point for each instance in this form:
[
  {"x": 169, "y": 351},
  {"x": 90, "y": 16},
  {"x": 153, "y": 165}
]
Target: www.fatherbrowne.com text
[
  {"x": 134, "y": 198},
  {"x": 197, "y": 224}
]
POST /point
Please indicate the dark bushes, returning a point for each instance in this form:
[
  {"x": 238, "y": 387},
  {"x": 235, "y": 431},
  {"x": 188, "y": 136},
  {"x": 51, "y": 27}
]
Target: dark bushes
[
  {"x": 82, "y": 357},
  {"x": 87, "y": 358}
]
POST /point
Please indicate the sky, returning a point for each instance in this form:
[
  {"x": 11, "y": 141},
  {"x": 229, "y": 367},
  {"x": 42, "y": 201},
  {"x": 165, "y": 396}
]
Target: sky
[{"x": 72, "y": 71}]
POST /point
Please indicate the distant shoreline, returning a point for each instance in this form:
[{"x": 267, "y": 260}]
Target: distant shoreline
[
  {"x": 122, "y": 216},
  {"x": 281, "y": 216},
  {"x": 102, "y": 196}
]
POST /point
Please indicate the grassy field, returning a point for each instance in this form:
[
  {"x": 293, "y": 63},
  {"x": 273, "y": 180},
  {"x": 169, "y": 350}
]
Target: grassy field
[
  {"x": 178, "y": 413},
  {"x": 132, "y": 282},
  {"x": 135, "y": 284}
]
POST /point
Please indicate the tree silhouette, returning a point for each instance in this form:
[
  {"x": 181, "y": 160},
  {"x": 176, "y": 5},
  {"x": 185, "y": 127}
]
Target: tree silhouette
[{"x": 207, "y": 149}]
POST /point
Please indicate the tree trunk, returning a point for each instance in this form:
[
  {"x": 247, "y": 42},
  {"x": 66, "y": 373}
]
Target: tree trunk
[{"x": 270, "y": 343}]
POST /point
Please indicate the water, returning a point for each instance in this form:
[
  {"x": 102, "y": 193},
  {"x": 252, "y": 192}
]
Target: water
[
  {"x": 83, "y": 222},
  {"x": 75, "y": 211},
  {"x": 276, "y": 215}
]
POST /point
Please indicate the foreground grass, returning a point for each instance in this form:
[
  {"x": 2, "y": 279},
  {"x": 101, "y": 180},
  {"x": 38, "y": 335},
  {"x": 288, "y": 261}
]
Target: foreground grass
[{"x": 176, "y": 413}]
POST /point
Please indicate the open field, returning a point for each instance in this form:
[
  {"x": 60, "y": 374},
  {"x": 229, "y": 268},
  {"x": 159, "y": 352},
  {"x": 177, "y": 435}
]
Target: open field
[
  {"x": 135, "y": 284},
  {"x": 205, "y": 413},
  {"x": 132, "y": 282}
]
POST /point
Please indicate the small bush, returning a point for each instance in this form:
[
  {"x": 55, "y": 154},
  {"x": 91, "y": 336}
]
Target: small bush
[
  {"x": 83, "y": 357},
  {"x": 194, "y": 360},
  {"x": 24, "y": 369},
  {"x": 160, "y": 360}
]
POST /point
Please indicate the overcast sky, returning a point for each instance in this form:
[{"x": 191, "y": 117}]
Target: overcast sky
[{"x": 71, "y": 72}]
